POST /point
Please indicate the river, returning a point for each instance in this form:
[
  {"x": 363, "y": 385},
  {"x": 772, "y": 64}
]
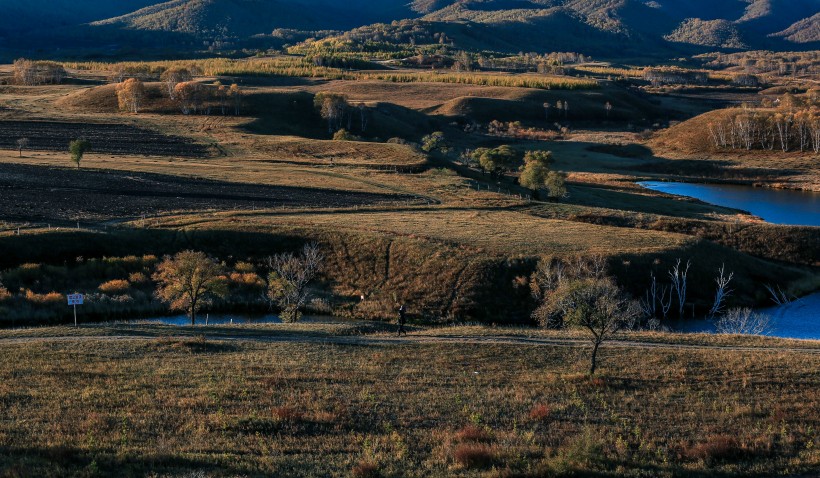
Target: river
[{"x": 777, "y": 206}]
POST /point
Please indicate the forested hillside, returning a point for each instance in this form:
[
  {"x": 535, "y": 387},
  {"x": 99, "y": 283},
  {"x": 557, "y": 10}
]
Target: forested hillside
[{"x": 605, "y": 28}]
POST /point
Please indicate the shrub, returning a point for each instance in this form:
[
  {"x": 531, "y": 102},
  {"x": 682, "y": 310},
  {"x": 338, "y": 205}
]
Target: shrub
[
  {"x": 345, "y": 135},
  {"x": 472, "y": 433},
  {"x": 114, "y": 286},
  {"x": 137, "y": 278},
  {"x": 540, "y": 412},
  {"x": 715, "y": 448},
  {"x": 473, "y": 455},
  {"x": 287, "y": 414},
  {"x": 365, "y": 469}
]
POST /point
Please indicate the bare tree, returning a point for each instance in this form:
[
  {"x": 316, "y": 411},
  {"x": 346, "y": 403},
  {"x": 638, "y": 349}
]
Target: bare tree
[
  {"x": 678, "y": 275},
  {"x": 608, "y": 108},
  {"x": 743, "y": 321},
  {"x": 777, "y": 295},
  {"x": 22, "y": 144},
  {"x": 722, "y": 292},
  {"x": 289, "y": 279},
  {"x": 363, "y": 113},
  {"x": 547, "y": 107}
]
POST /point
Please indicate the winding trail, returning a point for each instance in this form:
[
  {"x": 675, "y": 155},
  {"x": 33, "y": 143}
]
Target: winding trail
[{"x": 413, "y": 339}]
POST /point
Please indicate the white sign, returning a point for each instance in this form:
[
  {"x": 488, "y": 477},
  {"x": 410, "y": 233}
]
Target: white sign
[{"x": 75, "y": 299}]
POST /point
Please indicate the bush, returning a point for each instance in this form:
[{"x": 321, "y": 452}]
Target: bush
[
  {"x": 345, "y": 135},
  {"x": 715, "y": 448},
  {"x": 473, "y": 455},
  {"x": 365, "y": 469},
  {"x": 287, "y": 414},
  {"x": 114, "y": 286},
  {"x": 472, "y": 433},
  {"x": 540, "y": 412}
]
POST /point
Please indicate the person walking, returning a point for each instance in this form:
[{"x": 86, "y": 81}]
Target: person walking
[{"x": 402, "y": 320}]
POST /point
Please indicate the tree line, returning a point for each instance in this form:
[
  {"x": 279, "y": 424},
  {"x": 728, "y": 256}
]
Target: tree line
[
  {"x": 764, "y": 129},
  {"x": 192, "y": 97}
]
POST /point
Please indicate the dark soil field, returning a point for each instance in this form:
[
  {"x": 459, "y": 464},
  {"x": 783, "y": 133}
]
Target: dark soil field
[
  {"x": 104, "y": 138},
  {"x": 34, "y": 193}
]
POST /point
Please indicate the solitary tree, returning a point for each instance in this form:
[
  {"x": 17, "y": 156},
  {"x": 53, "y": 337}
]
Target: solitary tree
[
  {"x": 236, "y": 94},
  {"x": 22, "y": 144},
  {"x": 556, "y": 185},
  {"x": 189, "y": 281},
  {"x": 596, "y": 305},
  {"x": 536, "y": 170},
  {"x": 289, "y": 278},
  {"x": 432, "y": 142},
  {"x": 332, "y": 107},
  {"x": 494, "y": 159},
  {"x": 78, "y": 148},
  {"x": 130, "y": 94},
  {"x": 608, "y": 108}
]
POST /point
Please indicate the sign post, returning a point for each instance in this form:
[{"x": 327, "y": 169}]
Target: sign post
[{"x": 75, "y": 300}]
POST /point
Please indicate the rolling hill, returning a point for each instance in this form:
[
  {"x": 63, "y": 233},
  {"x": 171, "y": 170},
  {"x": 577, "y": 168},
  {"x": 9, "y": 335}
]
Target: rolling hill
[{"x": 606, "y": 28}]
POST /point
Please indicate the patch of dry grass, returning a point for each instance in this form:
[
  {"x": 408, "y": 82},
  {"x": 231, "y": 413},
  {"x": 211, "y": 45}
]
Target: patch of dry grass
[{"x": 140, "y": 407}]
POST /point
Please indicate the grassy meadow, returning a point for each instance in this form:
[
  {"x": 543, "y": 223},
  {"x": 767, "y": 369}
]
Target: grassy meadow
[{"x": 150, "y": 404}]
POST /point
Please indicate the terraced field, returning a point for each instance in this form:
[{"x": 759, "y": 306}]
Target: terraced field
[{"x": 104, "y": 138}]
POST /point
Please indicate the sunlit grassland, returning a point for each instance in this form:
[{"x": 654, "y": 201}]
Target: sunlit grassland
[
  {"x": 230, "y": 408},
  {"x": 295, "y": 66}
]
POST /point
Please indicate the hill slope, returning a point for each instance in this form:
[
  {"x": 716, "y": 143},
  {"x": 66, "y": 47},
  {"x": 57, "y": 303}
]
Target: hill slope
[{"x": 248, "y": 17}]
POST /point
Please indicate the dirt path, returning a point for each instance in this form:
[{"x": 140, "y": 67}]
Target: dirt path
[{"x": 415, "y": 339}]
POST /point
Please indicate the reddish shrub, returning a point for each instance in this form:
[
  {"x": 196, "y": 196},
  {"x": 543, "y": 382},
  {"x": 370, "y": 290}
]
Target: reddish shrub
[
  {"x": 474, "y": 455},
  {"x": 715, "y": 448},
  {"x": 540, "y": 412},
  {"x": 472, "y": 433},
  {"x": 287, "y": 414},
  {"x": 366, "y": 470}
]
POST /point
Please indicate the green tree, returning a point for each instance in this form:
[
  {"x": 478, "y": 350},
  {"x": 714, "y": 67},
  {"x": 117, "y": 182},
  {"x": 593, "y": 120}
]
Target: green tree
[
  {"x": 556, "y": 185},
  {"x": 596, "y": 305},
  {"x": 494, "y": 159},
  {"x": 189, "y": 281},
  {"x": 432, "y": 142},
  {"x": 78, "y": 148},
  {"x": 536, "y": 169}
]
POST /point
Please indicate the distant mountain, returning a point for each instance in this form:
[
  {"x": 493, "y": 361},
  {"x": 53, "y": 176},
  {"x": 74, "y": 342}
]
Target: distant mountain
[
  {"x": 637, "y": 25},
  {"x": 605, "y": 28},
  {"x": 249, "y": 17},
  {"x": 41, "y": 14}
]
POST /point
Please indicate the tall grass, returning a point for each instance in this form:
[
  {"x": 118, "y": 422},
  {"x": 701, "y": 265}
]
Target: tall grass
[{"x": 302, "y": 67}]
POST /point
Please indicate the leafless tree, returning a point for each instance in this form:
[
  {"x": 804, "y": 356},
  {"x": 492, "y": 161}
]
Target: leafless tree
[
  {"x": 678, "y": 275},
  {"x": 363, "y": 114},
  {"x": 723, "y": 291},
  {"x": 547, "y": 107},
  {"x": 608, "y": 108},
  {"x": 743, "y": 321},
  {"x": 777, "y": 295},
  {"x": 289, "y": 278}
]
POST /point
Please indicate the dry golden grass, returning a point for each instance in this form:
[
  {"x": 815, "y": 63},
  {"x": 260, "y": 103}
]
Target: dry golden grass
[
  {"x": 496, "y": 231},
  {"x": 172, "y": 405}
]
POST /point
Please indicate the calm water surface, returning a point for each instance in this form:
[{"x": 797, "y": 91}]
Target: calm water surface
[
  {"x": 797, "y": 320},
  {"x": 778, "y": 206}
]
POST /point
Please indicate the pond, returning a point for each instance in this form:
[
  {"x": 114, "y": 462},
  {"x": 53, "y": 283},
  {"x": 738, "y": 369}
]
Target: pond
[
  {"x": 778, "y": 206},
  {"x": 797, "y": 320}
]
